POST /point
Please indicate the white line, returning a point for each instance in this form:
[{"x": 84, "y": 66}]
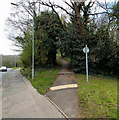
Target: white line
[{"x": 64, "y": 87}]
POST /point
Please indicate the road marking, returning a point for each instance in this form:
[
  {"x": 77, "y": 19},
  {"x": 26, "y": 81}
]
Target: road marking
[{"x": 64, "y": 87}]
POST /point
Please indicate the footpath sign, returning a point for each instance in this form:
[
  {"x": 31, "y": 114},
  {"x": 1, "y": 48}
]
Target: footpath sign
[{"x": 86, "y": 51}]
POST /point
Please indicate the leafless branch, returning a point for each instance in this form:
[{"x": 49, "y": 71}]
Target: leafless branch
[
  {"x": 98, "y": 13},
  {"x": 69, "y": 5},
  {"x": 54, "y": 5}
]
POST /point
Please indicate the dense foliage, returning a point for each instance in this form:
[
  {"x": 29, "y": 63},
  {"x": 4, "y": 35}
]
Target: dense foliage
[
  {"x": 102, "y": 42},
  {"x": 54, "y": 33},
  {"x": 47, "y": 31}
]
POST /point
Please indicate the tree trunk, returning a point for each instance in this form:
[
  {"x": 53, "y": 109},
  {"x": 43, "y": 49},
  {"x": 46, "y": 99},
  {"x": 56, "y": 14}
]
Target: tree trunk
[
  {"x": 79, "y": 23},
  {"x": 52, "y": 57}
]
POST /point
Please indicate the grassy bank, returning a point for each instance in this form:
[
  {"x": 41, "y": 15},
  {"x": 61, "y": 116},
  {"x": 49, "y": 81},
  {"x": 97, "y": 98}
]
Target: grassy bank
[
  {"x": 43, "y": 78},
  {"x": 98, "y": 97}
]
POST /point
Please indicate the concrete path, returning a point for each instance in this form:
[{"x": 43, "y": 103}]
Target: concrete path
[
  {"x": 21, "y": 100},
  {"x": 65, "y": 98}
]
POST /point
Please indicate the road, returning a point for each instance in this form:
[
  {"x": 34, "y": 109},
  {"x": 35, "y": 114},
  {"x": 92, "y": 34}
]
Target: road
[
  {"x": 21, "y": 100},
  {"x": 3, "y": 75}
]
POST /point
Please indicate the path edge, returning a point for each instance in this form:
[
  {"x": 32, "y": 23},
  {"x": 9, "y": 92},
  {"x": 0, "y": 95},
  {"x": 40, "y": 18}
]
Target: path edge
[{"x": 56, "y": 107}]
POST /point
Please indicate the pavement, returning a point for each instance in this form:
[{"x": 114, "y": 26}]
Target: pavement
[
  {"x": 64, "y": 92},
  {"x": 21, "y": 100}
]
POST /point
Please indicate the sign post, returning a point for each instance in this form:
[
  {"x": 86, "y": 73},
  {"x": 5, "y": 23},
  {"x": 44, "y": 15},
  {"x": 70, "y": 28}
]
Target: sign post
[{"x": 86, "y": 50}]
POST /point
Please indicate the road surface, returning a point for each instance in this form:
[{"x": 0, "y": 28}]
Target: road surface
[
  {"x": 21, "y": 100},
  {"x": 3, "y": 74}
]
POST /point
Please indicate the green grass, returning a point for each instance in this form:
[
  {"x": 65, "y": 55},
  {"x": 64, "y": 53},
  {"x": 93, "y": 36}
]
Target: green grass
[
  {"x": 43, "y": 78},
  {"x": 98, "y": 97},
  {"x": 15, "y": 68}
]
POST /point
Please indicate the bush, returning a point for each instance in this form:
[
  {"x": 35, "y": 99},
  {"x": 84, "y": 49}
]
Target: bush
[{"x": 27, "y": 72}]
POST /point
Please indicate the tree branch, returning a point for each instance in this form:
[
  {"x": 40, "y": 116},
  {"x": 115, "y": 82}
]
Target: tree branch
[
  {"x": 56, "y": 6},
  {"x": 98, "y": 13},
  {"x": 69, "y": 5}
]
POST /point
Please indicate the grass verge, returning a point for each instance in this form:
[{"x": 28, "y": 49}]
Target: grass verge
[
  {"x": 98, "y": 97},
  {"x": 43, "y": 78},
  {"x": 15, "y": 68}
]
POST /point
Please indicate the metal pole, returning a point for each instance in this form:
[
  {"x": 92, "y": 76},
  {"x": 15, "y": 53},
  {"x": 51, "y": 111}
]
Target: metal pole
[
  {"x": 33, "y": 45},
  {"x": 33, "y": 9},
  {"x": 86, "y": 65},
  {"x": 14, "y": 60}
]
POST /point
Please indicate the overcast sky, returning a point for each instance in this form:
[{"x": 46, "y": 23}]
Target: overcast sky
[{"x": 6, "y": 45}]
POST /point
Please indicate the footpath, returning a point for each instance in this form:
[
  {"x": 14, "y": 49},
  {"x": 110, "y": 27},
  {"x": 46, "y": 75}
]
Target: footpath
[
  {"x": 63, "y": 93},
  {"x": 21, "y": 100}
]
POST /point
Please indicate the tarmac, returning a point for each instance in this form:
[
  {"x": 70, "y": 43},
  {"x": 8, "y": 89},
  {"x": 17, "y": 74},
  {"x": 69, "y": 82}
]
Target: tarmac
[
  {"x": 21, "y": 100},
  {"x": 63, "y": 93}
]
